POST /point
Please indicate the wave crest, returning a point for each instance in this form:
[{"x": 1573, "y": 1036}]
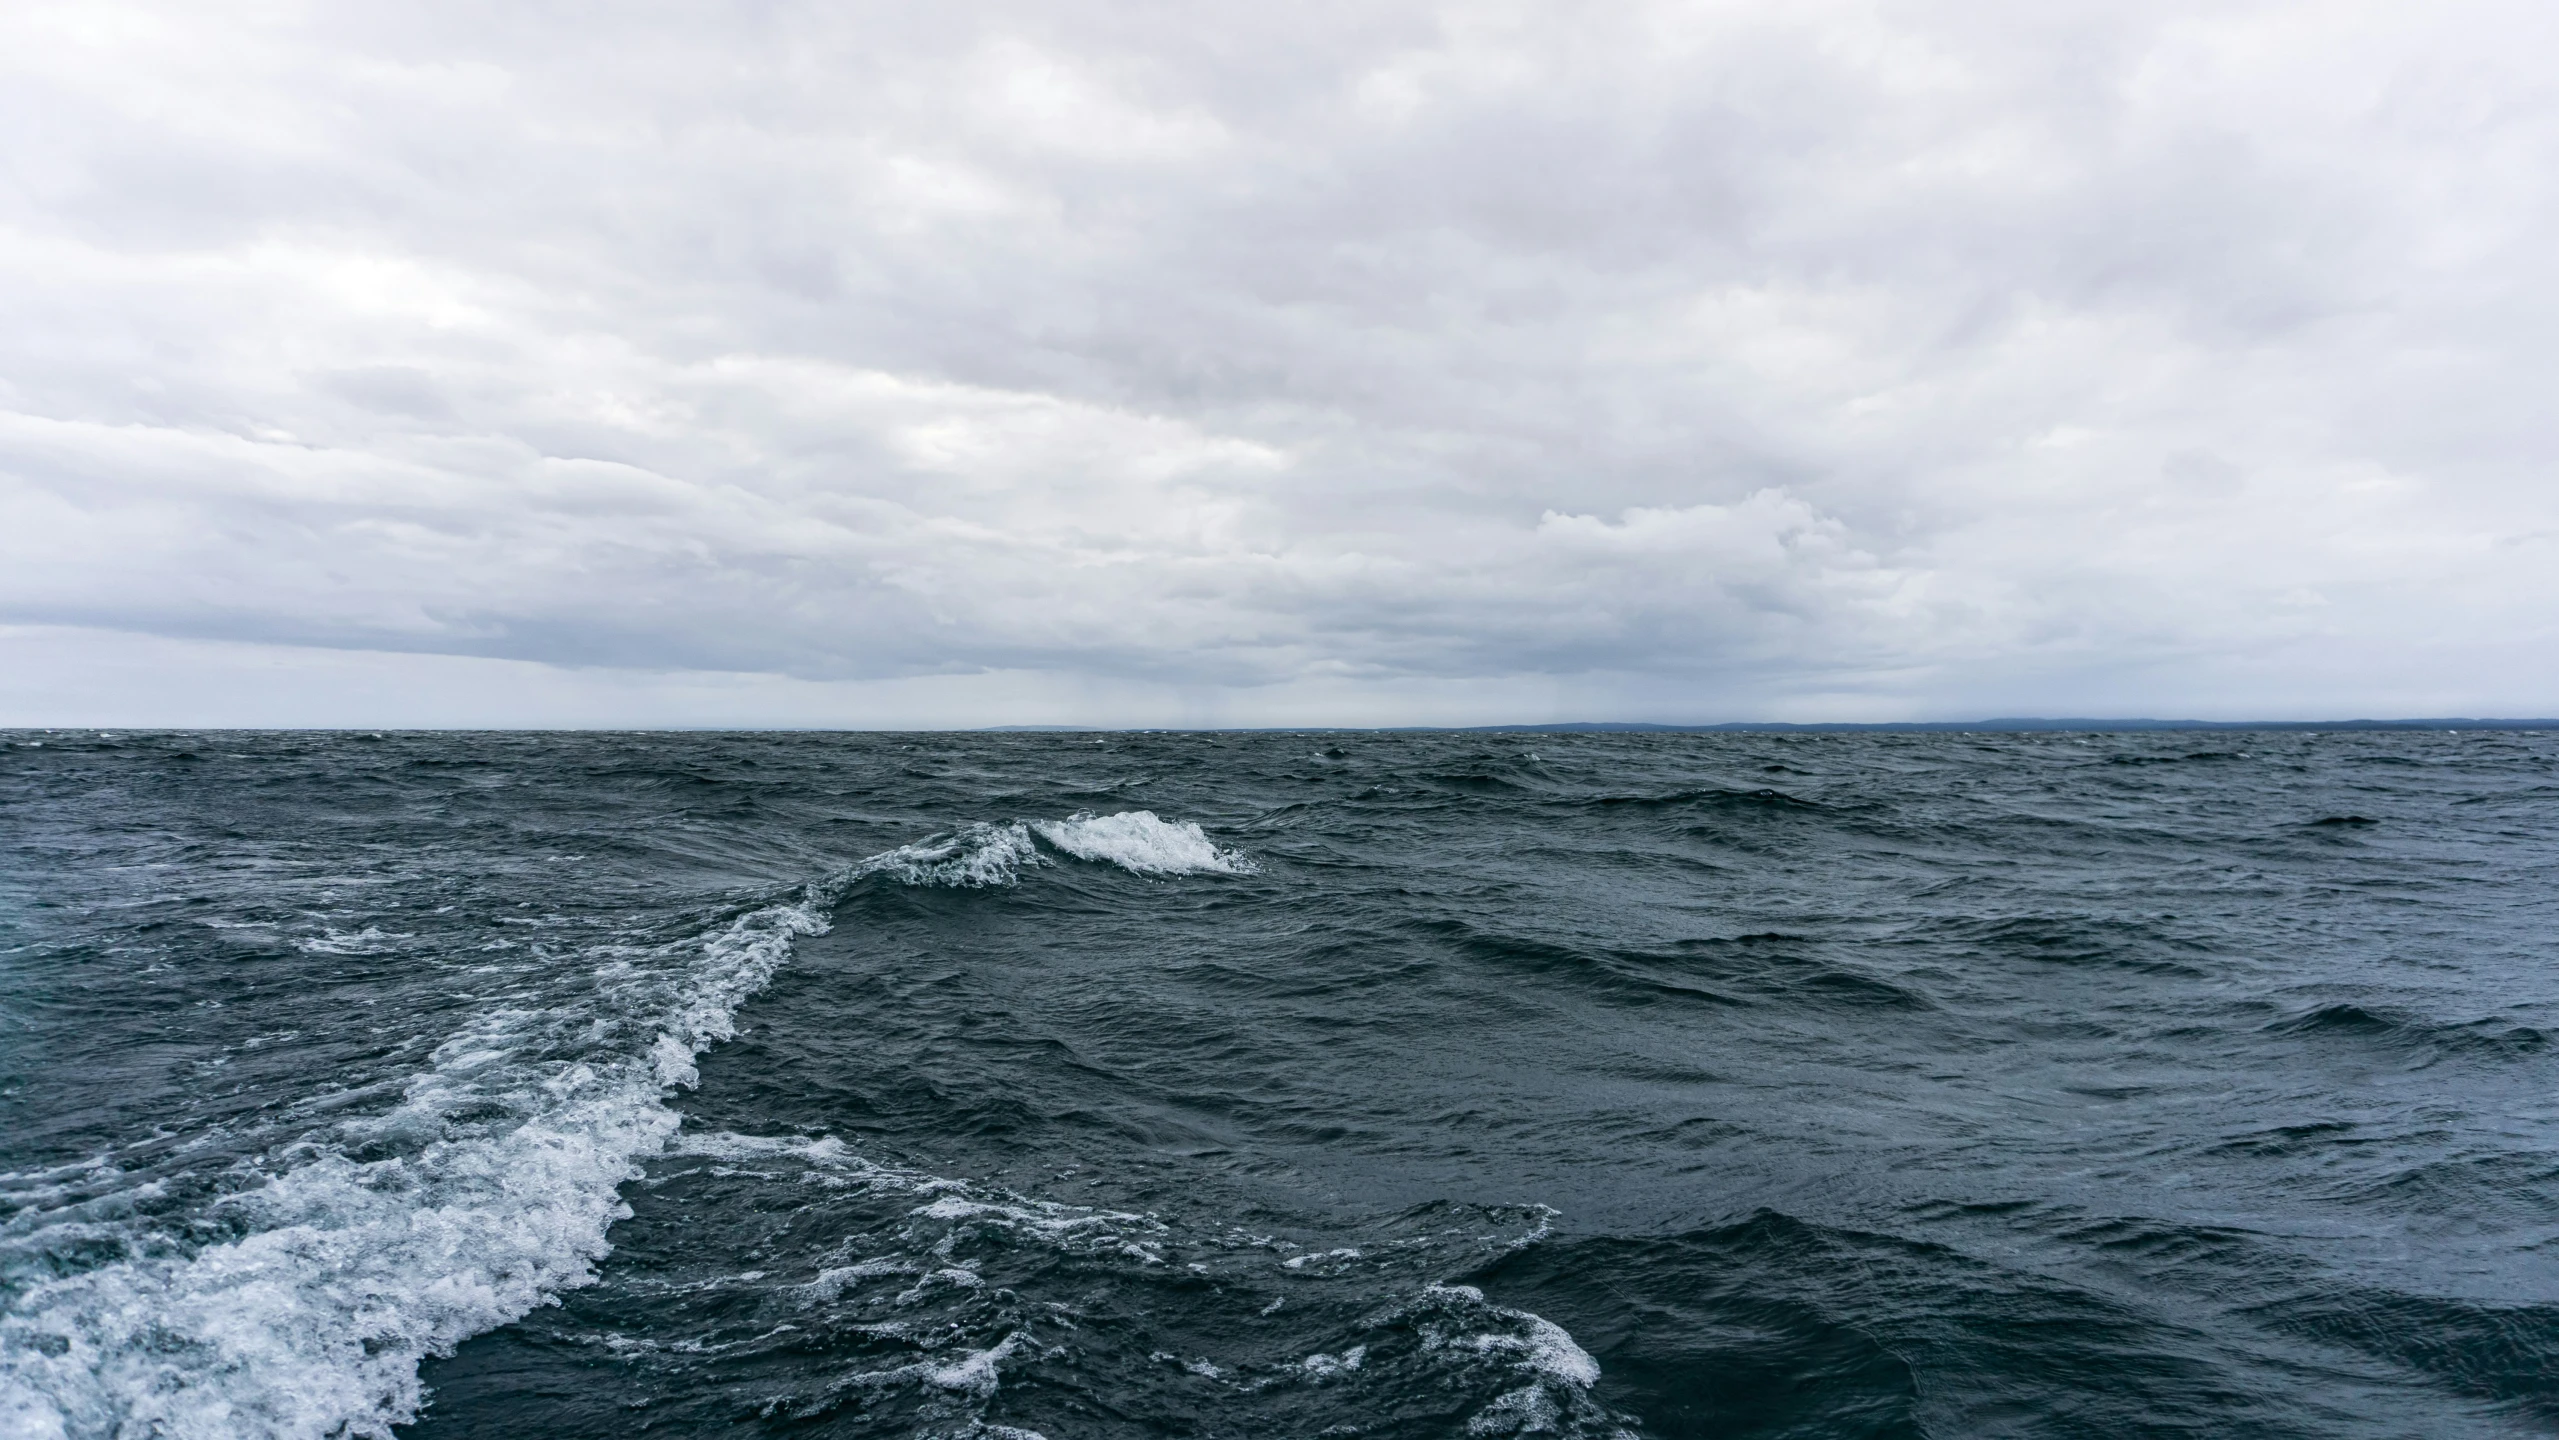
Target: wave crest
[
  {"x": 1138, "y": 842},
  {"x": 971, "y": 857},
  {"x": 985, "y": 855},
  {"x": 487, "y": 1190}
]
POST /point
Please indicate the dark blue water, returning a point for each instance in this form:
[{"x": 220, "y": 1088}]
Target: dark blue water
[{"x": 1279, "y": 1085}]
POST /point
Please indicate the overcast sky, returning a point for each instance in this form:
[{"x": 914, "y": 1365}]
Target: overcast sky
[{"x": 953, "y": 364}]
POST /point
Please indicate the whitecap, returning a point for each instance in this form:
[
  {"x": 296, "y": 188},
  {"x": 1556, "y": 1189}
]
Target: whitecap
[
  {"x": 1139, "y": 842},
  {"x": 1324, "y": 1367},
  {"x": 370, "y": 940},
  {"x": 1318, "y": 1257},
  {"x": 1538, "y": 1345},
  {"x": 972, "y": 857},
  {"x": 1457, "y": 1321}
]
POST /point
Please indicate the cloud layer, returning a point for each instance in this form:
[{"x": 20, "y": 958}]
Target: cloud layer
[{"x": 1137, "y": 363}]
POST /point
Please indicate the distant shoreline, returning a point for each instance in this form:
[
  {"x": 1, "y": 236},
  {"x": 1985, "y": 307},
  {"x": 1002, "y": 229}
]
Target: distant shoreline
[
  {"x": 2009, "y": 725},
  {"x": 1825, "y": 727}
]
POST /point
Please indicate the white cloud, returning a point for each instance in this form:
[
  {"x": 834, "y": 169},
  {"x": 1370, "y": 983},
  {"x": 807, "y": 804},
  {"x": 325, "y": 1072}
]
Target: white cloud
[{"x": 1664, "y": 361}]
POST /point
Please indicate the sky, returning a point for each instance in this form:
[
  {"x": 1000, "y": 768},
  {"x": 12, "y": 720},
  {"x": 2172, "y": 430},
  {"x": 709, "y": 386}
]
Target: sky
[{"x": 933, "y": 364}]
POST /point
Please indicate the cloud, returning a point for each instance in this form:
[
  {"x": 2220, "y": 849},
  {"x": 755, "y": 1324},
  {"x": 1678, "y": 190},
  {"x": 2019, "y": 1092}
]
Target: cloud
[{"x": 1703, "y": 360}]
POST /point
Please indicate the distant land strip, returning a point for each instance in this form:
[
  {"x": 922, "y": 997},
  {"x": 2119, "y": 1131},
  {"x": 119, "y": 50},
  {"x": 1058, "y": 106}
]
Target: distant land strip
[{"x": 1780, "y": 727}]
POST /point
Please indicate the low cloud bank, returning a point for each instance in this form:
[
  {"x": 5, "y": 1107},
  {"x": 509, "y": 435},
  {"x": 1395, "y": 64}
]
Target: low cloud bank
[{"x": 1682, "y": 362}]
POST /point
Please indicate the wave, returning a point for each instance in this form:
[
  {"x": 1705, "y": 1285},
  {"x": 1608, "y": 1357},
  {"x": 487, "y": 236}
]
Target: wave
[
  {"x": 1136, "y": 841},
  {"x": 2403, "y": 1030},
  {"x": 923, "y": 1320},
  {"x": 972, "y": 857},
  {"x": 2503, "y": 1354},
  {"x": 940, "y": 1294},
  {"x": 1759, "y": 797},
  {"x": 1555, "y": 1374},
  {"x": 484, "y": 1192},
  {"x": 487, "y": 1190},
  {"x": 2085, "y": 940},
  {"x": 1729, "y": 971},
  {"x": 356, "y": 1268}
]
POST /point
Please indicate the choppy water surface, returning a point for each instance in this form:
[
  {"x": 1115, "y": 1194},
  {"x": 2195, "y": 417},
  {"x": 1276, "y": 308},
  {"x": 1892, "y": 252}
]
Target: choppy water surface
[{"x": 1266, "y": 1085}]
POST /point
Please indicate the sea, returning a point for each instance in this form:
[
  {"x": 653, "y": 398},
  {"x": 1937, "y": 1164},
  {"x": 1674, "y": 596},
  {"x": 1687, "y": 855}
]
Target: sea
[{"x": 1335, "y": 1084}]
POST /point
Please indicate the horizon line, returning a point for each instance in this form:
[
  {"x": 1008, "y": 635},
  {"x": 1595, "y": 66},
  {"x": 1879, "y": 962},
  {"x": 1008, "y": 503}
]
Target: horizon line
[
  {"x": 1999, "y": 724},
  {"x": 1995, "y": 724}
]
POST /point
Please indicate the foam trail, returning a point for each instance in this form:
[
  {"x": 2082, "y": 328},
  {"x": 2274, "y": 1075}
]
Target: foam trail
[{"x": 351, "y": 1271}]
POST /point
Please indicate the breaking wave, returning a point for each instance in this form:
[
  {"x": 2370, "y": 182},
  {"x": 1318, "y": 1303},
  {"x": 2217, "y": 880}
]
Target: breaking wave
[
  {"x": 1136, "y": 841},
  {"x": 356, "y": 1251}
]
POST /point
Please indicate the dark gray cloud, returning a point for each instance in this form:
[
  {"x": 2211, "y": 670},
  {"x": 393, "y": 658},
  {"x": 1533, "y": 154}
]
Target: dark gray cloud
[{"x": 1133, "y": 362}]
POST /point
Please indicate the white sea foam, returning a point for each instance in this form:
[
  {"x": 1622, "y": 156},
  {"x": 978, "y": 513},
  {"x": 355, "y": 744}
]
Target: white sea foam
[
  {"x": 962, "y": 1319},
  {"x": 367, "y": 941},
  {"x": 352, "y": 1270},
  {"x": 1137, "y": 841},
  {"x": 975, "y": 855},
  {"x": 1324, "y": 1367},
  {"x": 1541, "y": 1345},
  {"x": 1318, "y": 1257},
  {"x": 1457, "y": 1320}
]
